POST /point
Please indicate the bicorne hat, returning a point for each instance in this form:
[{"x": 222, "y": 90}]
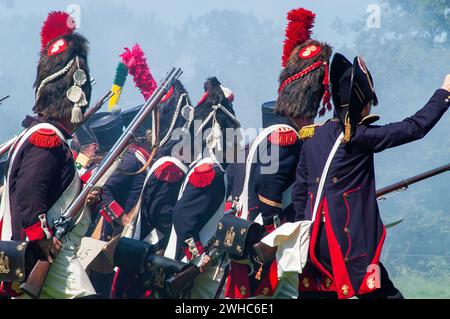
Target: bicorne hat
[
  {"x": 107, "y": 130},
  {"x": 352, "y": 89}
]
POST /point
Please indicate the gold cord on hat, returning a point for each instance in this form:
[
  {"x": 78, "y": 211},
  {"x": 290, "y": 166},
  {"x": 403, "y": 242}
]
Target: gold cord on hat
[{"x": 347, "y": 129}]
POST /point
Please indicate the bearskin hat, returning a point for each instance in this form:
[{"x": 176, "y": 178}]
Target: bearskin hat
[
  {"x": 63, "y": 56},
  {"x": 174, "y": 112},
  {"x": 215, "y": 112},
  {"x": 214, "y": 95},
  {"x": 304, "y": 80}
]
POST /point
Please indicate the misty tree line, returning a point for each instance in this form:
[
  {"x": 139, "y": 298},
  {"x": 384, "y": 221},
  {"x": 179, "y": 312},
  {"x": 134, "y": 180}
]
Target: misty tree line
[{"x": 408, "y": 57}]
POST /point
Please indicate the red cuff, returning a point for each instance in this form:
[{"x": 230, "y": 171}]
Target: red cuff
[
  {"x": 199, "y": 247},
  {"x": 111, "y": 212},
  {"x": 86, "y": 176},
  {"x": 36, "y": 232},
  {"x": 269, "y": 228},
  {"x": 228, "y": 206}
]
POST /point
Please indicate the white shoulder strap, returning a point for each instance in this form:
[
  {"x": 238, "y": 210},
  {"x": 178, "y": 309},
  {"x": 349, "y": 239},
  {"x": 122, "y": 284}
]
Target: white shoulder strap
[
  {"x": 324, "y": 175},
  {"x": 133, "y": 229},
  {"x": 210, "y": 226},
  {"x": 243, "y": 199},
  {"x": 5, "y": 208}
]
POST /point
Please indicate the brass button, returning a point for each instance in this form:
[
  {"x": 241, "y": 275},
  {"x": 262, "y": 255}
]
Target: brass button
[
  {"x": 346, "y": 260},
  {"x": 328, "y": 283},
  {"x": 335, "y": 180},
  {"x": 346, "y": 229},
  {"x": 305, "y": 282},
  {"x": 317, "y": 180},
  {"x": 345, "y": 290}
]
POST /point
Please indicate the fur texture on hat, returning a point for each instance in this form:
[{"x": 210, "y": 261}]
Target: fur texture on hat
[
  {"x": 52, "y": 102},
  {"x": 301, "y": 97}
]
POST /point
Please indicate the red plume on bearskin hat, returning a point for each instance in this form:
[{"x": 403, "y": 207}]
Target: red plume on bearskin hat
[
  {"x": 304, "y": 80},
  {"x": 57, "y": 24},
  {"x": 298, "y": 30},
  {"x": 62, "y": 86}
]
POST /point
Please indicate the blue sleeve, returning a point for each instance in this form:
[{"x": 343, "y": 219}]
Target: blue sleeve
[
  {"x": 118, "y": 186},
  {"x": 300, "y": 187},
  {"x": 379, "y": 138}
]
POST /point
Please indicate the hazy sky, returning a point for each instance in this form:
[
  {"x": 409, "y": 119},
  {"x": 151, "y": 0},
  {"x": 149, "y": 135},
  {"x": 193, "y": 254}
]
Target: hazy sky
[{"x": 176, "y": 12}]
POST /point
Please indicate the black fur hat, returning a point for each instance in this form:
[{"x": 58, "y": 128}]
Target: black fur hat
[
  {"x": 215, "y": 107},
  {"x": 63, "y": 52},
  {"x": 304, "y": 79},
  {"x": 215, "y": 95}
]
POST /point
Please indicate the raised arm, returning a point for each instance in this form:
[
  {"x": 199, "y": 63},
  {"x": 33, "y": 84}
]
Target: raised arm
[{"x": 379, "y": 138}]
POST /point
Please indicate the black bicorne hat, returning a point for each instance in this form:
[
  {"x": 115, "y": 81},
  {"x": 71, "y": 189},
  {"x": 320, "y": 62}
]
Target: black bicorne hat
[
  {"x": 129, "y": 115},
  {"x": 84, "y": 132},
  {"x": 351, "y": 89},
  {"x": 270, "y": 117},
  {"x": 107, "y": 130}
]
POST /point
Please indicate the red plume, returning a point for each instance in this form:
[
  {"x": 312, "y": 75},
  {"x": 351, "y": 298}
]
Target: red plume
[
  {"x": 58, "y": 23},
  {"x": 137, "y": 66},
  {"x": 298, "y": 31}
]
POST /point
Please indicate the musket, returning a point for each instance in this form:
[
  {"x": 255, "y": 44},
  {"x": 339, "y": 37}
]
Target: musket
[
  {"x": 3, "y": 99},
  {"x": 404, "y": 184},
  {"x": 182, "y": 281},
  {"x": 35, "y": 282},
  {"x": 91, "y": 111}
]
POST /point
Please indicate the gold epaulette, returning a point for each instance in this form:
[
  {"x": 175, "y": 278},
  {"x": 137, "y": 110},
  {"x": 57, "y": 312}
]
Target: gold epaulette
[
  {"x": 369, "y": 119},
  {"x": 308, "y": 131}
]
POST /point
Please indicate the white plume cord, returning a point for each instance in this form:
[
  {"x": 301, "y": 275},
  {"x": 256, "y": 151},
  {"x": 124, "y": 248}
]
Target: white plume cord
[
  {"x": 53, "y": 77},
  {"x": 213, "y": 112},
  {"x": 174, "y": 120}
]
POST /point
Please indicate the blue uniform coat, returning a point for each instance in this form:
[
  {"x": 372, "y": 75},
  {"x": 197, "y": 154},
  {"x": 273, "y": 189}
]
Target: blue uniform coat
[{"x": 355, "y": 233}]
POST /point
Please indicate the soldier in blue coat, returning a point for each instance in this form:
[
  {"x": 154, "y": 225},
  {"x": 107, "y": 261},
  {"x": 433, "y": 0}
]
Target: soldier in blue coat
[
  {"x": 121, "y": 191},
  {"x": 348, "y": 234},
  {"x": 303, "y": 85}
]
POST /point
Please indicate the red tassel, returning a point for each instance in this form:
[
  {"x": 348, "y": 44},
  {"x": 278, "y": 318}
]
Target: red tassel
[
  {"x": 322, "y": 111},
  {"x": 45, "y": 138},
  {"x": 137, "y": 65},
  {"x": 283, "y": 137},
  {"x": 168, "y": 172},
  {"x": 327, "y": 95},
  {"x": 58, "y": 24},
  {"x": 202, "y": 176}
]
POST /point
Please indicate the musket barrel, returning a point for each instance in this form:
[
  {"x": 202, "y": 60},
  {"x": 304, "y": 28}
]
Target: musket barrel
[
  {"x": 4, "y": 98},
  {"x": 412, "y": 180},
  {"x": 123, "y": 141},
  {"x": 91, "y": 111}
]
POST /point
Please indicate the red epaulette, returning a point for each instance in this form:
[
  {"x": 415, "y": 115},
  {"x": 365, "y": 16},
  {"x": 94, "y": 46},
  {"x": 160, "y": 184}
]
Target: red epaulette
[
  {"x": 45, "y": 138},
  {"x": 168, "y": 172},
  {"x": 283, "y": 136},
  {"x": 202, "y": 176}
]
